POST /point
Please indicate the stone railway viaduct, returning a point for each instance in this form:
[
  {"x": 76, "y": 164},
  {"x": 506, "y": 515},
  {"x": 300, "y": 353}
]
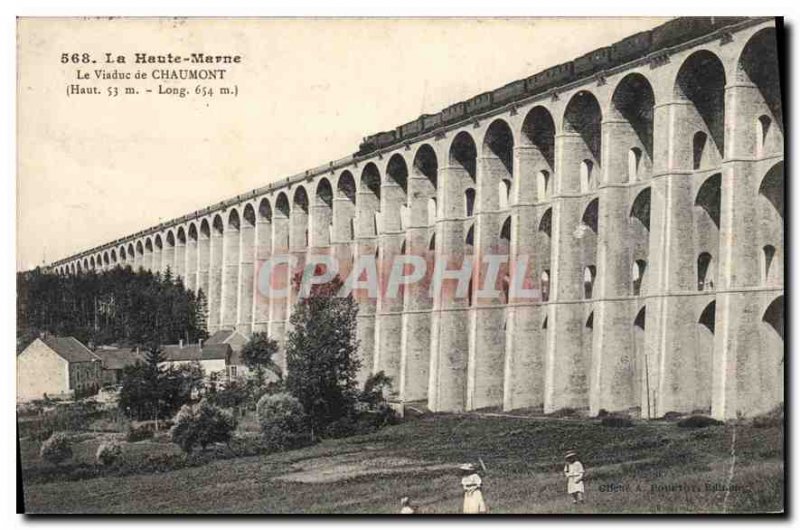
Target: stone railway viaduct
[{"x": 648, "y": 195}]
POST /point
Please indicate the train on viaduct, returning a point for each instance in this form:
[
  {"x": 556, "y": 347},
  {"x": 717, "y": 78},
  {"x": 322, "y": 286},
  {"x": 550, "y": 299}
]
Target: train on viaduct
[{"x": 645, "y": 180}]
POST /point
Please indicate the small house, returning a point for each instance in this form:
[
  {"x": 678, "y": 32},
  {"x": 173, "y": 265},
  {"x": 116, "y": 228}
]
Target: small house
[{"x": 57, "y": 367}]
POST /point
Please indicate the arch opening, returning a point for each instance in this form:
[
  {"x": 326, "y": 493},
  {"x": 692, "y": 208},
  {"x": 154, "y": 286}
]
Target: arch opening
[
  {"x": 546, "y": 222},
  {"x": 590, "y": 215},
  {"x": 705, "y": 272},
  {"x": 584, "y": 117},
  {"x": 324, "y": 193},
  {"x": 589, "y": 274},
  {"x": 774, "y": 315},
  {"x": 701, "y": 80},
  {"x": 464, "y": 153},
  {"x": 539, "y": 131},
  {"x": 633, "y": 101},
  {"x": 758, "y": 64},
  {"x": 708, "y": 315},
  {"x": 772, "y": 187},
  {"x": 640, "y": 209},
  {"x": 233, "y": 220},
  {"x": 249, "y": 216},
  {"x": 637, "y": 276},
  {"x": 217, "y": 225},
  {"x": 469, "y": 202},
  {"x": 709, "y": 197},
  {"x": 282, "y": 208},
  {"x": 499, "y": 143}
]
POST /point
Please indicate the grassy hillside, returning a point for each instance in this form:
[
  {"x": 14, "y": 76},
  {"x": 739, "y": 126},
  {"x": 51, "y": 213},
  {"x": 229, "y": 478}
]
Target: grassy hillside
[{"x": 651, "y": 467}]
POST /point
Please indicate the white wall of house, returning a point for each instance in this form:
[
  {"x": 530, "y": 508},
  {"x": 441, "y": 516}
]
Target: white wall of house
[
  {"x": 208, "y": 365},
  {"x": 213, "y": 365},
  {"x": 41, "y": 371}
]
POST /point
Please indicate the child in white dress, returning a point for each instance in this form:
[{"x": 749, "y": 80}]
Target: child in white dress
[
  {"x": 473, "y": 497},
  {"x": 405, "y": 506},
  {"x": 574, "y": 471}
]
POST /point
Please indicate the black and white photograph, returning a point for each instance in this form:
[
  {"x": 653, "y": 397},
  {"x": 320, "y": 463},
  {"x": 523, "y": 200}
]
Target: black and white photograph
[{"x": 400, "y": 266}]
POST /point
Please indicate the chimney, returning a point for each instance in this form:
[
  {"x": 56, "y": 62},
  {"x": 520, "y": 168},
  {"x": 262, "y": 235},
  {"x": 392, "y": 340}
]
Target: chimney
[{"x": 180, "y": 343}]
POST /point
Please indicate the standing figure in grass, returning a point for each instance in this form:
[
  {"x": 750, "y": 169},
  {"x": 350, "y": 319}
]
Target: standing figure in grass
[
  {"x": 471, "y": 482},
  {"x": 574, "y": 471},
  {"x": 405, "y": 506}
]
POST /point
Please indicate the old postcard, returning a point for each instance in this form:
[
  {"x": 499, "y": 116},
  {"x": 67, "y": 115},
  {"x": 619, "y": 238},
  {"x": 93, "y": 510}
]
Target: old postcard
[{"x": 400, "y": 266}]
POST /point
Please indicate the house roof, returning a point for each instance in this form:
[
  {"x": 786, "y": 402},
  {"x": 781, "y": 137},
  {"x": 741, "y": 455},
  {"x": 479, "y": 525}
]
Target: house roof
[
  {"x": 222, "y": 336},
  {"x": 176, "y": 352},
  {"x": 216, "y": 351},
  {"x": 193, "y": 352},
  {"x": 70, "y": 348},
  {"x": 118, "y": 358},
  {"x": 219, "y": 337}
]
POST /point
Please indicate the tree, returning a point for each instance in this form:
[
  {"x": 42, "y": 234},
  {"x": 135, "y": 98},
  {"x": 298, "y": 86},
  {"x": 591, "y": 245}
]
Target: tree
[
  {"x": 200, "y": 313},
  {"x": 321, "y": 351},
  {"x": 116, "y": 306},
  {"x": 258, "y": 352},
  {"x": 151, "y": 392},
  {"x": 231, "y": 396}
]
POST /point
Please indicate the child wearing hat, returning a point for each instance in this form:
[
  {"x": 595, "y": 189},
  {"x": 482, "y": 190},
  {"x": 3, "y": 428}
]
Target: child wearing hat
[
  {"x": 471, "y": 482},
  {"x": 405, "y": 506},
  {"x": 574, "y": 471}
]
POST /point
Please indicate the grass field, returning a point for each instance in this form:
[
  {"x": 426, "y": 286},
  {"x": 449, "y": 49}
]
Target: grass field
[{"x": 651, "y": 467}]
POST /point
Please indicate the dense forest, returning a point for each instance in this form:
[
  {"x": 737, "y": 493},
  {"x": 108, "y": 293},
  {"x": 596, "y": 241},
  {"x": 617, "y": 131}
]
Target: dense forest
[{"x": 118, "y": 306}]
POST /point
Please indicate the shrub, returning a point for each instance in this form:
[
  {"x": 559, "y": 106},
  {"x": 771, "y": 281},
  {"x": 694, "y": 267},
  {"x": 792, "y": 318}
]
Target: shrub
[
  {"x": 230, "y": 396},
  {"x": 137, "y": 434},
  {"x": 56, "y": 449},
  {"x": 672, "y": 416},
  {"x": 698, "y": 422},
  {"x": 202, "y": 425},
  {"x": 283, "y": 421},
  {"x": 566, "y": 412},
  {"x": 616, "y": 421},
  {"x": 341, "y": 428},
  {"x": 108, "y": 452},
  {"x": 376, "y": 389}
]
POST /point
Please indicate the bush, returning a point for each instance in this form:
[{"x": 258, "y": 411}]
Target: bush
[
  {"x": 342, "y": 428},
  {"x": 672, "y": 416},
  {"x": 232, "y": 395},
  {"x": 283, "y": 421},
  {"x": 616, "y": 421},
  {"x": 566, "y": 412},
  {"x": 142, "y": 432},
  {"x": 698, "y": 422},
  {"x": 377, "y": 388},
  {"x": 203, "y": 425},
  {"x": 108, "y": 453},
  {"x": 56, "y": 449}
]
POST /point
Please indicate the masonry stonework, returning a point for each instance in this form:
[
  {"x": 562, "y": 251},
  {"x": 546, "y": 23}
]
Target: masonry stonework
[{"x": 647, "y": 198}]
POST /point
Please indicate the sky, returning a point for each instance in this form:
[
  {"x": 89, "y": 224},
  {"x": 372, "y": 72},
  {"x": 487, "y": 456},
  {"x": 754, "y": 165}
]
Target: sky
[{"x": 93, "y": 168}]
